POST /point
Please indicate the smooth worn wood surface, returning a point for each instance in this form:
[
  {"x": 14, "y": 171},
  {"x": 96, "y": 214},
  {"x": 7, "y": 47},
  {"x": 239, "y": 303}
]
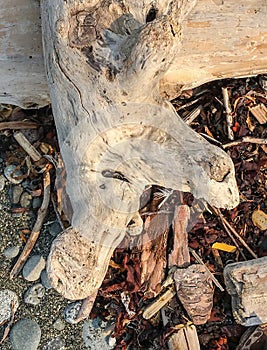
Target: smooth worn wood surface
[
  {"x": 222, "y": 39},
  {"x": 117, "y": 135}
]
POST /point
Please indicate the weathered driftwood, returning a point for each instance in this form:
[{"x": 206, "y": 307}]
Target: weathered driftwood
[
  {"x": 117, "y": 135},
  {"x": 222, "y": 39},
  {"x": 246, "y": 282},
  {"x": 255, "y": 338}
]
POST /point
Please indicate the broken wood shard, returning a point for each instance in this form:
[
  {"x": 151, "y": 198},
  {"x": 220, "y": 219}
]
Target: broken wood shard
[
  {"x": 246, "y": 282},
  {"x": 116, "y": 138}
]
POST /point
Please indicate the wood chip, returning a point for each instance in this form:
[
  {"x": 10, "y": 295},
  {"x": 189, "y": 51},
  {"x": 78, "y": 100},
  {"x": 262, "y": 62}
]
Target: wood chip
[
  {"x": 260, "y": 113},
  {"x": 161, "y": 301},
  {"x": 259, "y": 219},
  {"x": 224, "y": 247}
]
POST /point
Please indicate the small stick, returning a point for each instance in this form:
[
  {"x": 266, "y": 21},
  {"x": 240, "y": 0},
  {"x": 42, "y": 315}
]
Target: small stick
[
  {"x": 57, "y": 213},
  {"x": 197, "y": 257},
  {"x": 86, "y": 307},
  {"x": 245, "y": 139},
  {"x": 19, "y": 125},
  {"x": 27, "y": 146},
  {"x": 227, "y": 225},
  {"x": 193, "y": 115},
  {"x": 36, "y": 228},
  {"x": 156, "y": 305},
  {"x": 229, "y": 118}
]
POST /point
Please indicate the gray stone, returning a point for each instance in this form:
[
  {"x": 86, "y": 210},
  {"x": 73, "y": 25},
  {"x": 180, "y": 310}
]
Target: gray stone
[
  {"x": 11, "y": 252},
  {"x": 55, "y": 344},
  {"x": 25, "y": 200},
  {"x": 33, "y": 268},
  {"x": 54, "y": 229},
  {"x": 25, "y": 334},
  {"x": 95, "y": 335},
  {"x": 71, "y": 311},
  {"x": 14, "y": 176},
  {"x": 16, "y": 193},
  {"x": 59, "y": 324},
  {"x": 6, "y": 297},
  {"x": 34, "y": 294},
  {"x": 2, "y": 182},
  {"x": 36, "y": 203},
  {"x": 45, "y": 280}
]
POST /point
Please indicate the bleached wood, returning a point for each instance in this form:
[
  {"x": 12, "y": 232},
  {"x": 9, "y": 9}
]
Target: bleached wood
[
  {"x": 222, "y": 39},
  {"x": 117, "y": 135}
]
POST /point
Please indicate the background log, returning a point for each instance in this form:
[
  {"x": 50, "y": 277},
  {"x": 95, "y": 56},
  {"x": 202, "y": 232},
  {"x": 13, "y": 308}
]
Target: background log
[{"x": 222, "y": 39}]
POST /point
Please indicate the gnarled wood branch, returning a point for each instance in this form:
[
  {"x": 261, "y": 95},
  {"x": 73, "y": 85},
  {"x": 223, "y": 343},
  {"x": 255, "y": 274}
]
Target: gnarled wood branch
[{"x": 117, "y": 135}]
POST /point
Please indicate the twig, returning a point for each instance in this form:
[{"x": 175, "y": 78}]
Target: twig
[
  {"x": 193, "y": 115},
  {"x": 27, "y": 146},
  {"x": 57, "y": 214},
  {"x": 8, "y": 327},
  {"x": 36, "y": 228},
  {"x": 197, "y": 257},
  {"x": 18, "y": 125},
  {"x": 156, "y": 305},
  {"x": 228, "y": 228},
  {"x": 244, "y": 139},
  {"x": 229, "y": 118}
]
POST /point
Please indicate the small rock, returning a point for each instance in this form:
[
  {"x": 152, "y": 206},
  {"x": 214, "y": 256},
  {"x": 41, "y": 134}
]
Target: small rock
[
  {"x": 94, "y": 337},
  {"x": 33, "y": 268},
  {"x": 11, "y": 252},
  {"x": 14, "y": 176},
  {"x": 34, "y": 294},
  {"x": 55, "y": 344},
  {"x": 25, "y": 334},
  {"x": 54, "y": 229},
  {"x": 59, "y": 325},
  {"x": 71, "y": 311},
  {"x": 6, "y": 297},
  {"x": 16, "y": 193},
  {"x": 36, "y": 203},
  {"x": 45, "y": 280},
  {"x": 26, "y": 200},
  {"x": 2, "y": 182}
]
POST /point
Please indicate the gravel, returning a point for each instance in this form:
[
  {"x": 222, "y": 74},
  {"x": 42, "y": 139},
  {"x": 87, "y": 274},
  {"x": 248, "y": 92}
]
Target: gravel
[
  {"x": 6, "y": 298},
  {"x": 11, "y": 252},
  {"x": 34, "y": 294},
  {"x": 13, "y": 175}
]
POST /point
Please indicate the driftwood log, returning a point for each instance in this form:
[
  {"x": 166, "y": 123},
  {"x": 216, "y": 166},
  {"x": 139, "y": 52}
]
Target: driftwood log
[
  {"x": 111, "y": 66},
  {"x": 117, "y": 134}
]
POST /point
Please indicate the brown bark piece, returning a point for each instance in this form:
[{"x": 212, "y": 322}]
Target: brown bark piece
[
  {"x": 195, "y": 291},
  {"x": 180, "y": 253},
  {"x": 153, "y": 258},
  {"x": 246, "y": 282}
]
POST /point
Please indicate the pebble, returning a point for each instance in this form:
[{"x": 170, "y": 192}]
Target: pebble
[
  {"x": 36, "y": 203},
  {"x": 6, "y": 297},
  {"x": 54, "y": 229},
  {"x": 33, "y": 268},
  {"x": 25, "y": 200},
  {"x": 11, "y": 252},
  {"x": 25, "y": 334},
  {"x": 16, "y": 193},
  {"x": 9, "y": 172},
  {"x": 59, "y": 324},
  {"x": 55, "y": 344},
  {"x": 2, "y": 182},
  {"x": 94, "y": 337},
  {"x": 34, "y": 294},
  {"x": 45, "y": 280},
  {"x": 71, "y": 311}
]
